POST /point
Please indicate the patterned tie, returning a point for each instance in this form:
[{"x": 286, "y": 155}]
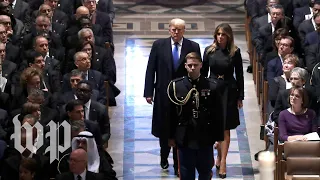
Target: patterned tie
[{"x": 175, "y": 55}]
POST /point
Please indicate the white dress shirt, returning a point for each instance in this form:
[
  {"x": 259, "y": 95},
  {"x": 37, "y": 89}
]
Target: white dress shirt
[
  {"x": 314, "y": 24},
  {"x": 87, "y": 109},
  {"x": 14, "y": 4}
]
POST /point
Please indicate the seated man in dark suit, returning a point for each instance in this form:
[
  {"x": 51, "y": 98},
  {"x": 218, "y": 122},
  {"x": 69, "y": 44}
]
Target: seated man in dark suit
[
  {"x": 311, "y": 38},
  {"x": 51, "y": 78},
  {"x": 74, "y": 113},
  {"x": 75, "y": 78},
  {"x": 82, "y": 61},
  {"x": 7, "y": 71},
  {"x": 305, "y": 12},
  {"x": 97, "y": 161},
  {"x": 308, "y": 26},
  {"x": 82, "y": 20},
  {"x": 10, "y": 168},
  {"x": 42, "y": 27},
  {"x": 274, "y": 67},
  {"x": 107, "y": 7},
  {"x": 93, "y": 110},
  {"x": 58, "y": 15},
  {"x": 78, "y": 167},
  {"x": 21, "y": 11},
  {"x": 41, "y": 45},
  {"x": 101, "y": 18},
  {"x": 12, "y": 51},
  {"x": 312, "y": 56}
]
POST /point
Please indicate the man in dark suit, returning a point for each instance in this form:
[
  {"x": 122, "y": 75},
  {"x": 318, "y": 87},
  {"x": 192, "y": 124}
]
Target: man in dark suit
[
  {"x": 8, "y": 72},
  {"x": 58, "y": 15},
  {"x": 107, "y": 7},
  {"x": 101, "y": 18},
  {"x": 42, "y": 27},
  {"x": 312, "y": 56},
  {"x": 12, "y": 51},
  {"x": 93, "y": 110},
  {"x": 75, "y": 78},
  {"x": 51, "y": 78},
  {"x": 308, "y": 26},
  {"x": 263, "y": 29},
  {"x": 21, "y": 11},
  {"x": 311, "y": 38},
  {"x": 67, "y": 6},
  {"x": 274, "y": 68},
  {"x": 82, "y": 61},
  {"x": 305, "y": 12},
  {"x": 74, "y": 112},
  {"x": 166, "y": 61},
  {"x": 78, "y": 168}
]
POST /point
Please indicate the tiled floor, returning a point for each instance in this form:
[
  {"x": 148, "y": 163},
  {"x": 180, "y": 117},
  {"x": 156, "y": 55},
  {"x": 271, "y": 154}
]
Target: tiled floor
[{"x": 137, "y": 25}]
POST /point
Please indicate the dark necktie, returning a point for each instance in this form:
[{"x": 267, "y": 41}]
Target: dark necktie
[
  {"x": 175, "y": 55},
  {"x": 79, "y": 177},
  {"x": 84, "y": 76},
  {"x": 84, "y": 111},
  {"x": 11, "y": 5}
]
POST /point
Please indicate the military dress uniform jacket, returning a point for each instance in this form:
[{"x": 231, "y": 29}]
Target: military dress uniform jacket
[{"x": 197, "y": 123}]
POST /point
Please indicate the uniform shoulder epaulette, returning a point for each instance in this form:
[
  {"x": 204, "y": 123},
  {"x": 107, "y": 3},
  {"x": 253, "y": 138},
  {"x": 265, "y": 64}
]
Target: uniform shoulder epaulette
[{"x": 178, "y": 79}]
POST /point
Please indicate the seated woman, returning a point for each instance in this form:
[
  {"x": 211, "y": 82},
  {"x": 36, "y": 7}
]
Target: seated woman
[
  {"x": 298, "y": 78},
  {"x": 297, "y": 120},
  {"x": 282, "y": 82}
]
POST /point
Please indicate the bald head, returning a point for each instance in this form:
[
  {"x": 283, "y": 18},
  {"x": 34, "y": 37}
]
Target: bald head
[
  {"x": 79, "y": 154},
  {"x": 78, "y": 161},
  {"x": 82, "y": 11}
]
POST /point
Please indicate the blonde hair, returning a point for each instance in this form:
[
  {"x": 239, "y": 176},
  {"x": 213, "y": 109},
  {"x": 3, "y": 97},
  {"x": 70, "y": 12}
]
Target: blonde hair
[
  {"x": 226, "y": 28},
  {"x": 27, "y": 74},
  {"x": 177, "y": 21},
  {"x": 193, "y": 55},
  {"x": 294, "y": 59}
]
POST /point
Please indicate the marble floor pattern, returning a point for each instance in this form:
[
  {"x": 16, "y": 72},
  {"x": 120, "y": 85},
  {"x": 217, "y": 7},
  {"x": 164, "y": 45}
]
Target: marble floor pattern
[{"x": 133, "y": 148}]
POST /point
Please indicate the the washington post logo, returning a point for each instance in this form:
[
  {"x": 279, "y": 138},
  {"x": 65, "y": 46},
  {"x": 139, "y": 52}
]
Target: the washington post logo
[{"x": 54, "y": 147}]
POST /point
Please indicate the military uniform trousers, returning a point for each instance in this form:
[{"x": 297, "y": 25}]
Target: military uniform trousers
[{"x": 200, "y": 159}]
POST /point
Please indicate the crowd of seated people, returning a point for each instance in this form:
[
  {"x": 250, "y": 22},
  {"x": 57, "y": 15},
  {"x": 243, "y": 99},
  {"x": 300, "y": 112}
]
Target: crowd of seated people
[
  {"x": 285, "y": 36},
  {"x": 56, "y": 65}
]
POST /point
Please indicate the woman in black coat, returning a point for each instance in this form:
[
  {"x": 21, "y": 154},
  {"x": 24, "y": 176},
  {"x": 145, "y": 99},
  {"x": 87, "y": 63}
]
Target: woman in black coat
[{"x": 223, "y": 58}]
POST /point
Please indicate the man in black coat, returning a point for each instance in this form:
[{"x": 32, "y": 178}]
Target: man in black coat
[{"x": 166, "y": 62}]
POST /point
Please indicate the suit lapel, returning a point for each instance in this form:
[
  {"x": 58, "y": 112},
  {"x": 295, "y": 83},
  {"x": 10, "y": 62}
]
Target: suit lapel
[
  {"x": 91, "y": 78},
  {"x": 93, "y": 112},
  {"x": 183, "y": 52},
  {"x": 168, "y": 53},
  {"x": 17, "y": 8}
]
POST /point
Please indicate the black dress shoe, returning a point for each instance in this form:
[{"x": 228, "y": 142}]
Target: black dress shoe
[
  {"x": 222, "y": 176},
  {"x": 249, "y": 69},
  {"x": 164, "y": 163}
]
